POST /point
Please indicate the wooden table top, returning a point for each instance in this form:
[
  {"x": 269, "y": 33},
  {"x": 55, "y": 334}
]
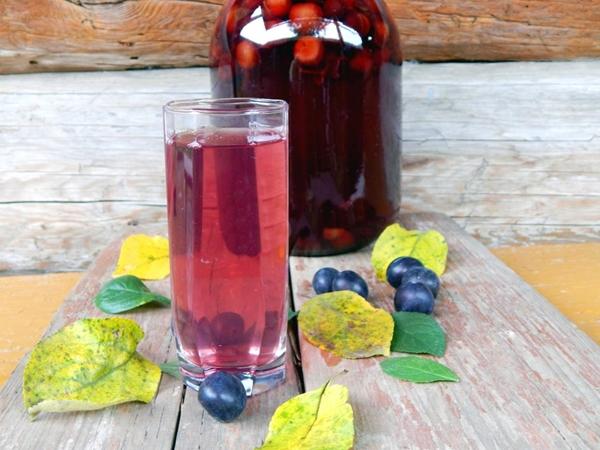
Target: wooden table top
[{"x": 503, "y": 338}]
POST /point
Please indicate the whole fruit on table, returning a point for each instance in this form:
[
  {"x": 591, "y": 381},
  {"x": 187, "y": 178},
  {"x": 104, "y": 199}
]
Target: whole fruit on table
[
  {"x": 414, "y": 297},
  {"x": 399, "y": 267},
  {"x": 422, "y": 275},
  {"x": 348, "y": 280},
  {"x": 323, "y": 279},
  {"x": 223, "y": 396}
]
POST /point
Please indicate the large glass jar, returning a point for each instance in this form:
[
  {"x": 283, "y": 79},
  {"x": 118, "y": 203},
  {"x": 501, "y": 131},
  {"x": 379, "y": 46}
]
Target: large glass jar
[{"x": 337, "y": 63}]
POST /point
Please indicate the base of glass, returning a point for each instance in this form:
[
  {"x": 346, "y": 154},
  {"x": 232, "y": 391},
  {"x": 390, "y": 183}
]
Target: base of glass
[{"x": 256, "y": 381}]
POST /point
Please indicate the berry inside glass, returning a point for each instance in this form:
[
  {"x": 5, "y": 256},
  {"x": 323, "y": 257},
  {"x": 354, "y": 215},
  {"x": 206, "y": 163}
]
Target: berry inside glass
[{"x": 337, "y": 63}]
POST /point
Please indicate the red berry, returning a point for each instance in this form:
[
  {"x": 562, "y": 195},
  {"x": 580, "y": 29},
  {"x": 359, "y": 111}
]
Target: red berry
[
  {"x": 359, "y": 22},
  {"x": 362, "y": 62},
  {"x": 309, "y": 50},
  {"x": 381, "y": 33},
  {"x": 338, "y": 237},
  {"x": 270, "y": 23},
  {"x": 306, "y": 15},
  {"x": 231, "y": 20},
  {"x": 246, "y": 54},
  {"x": 333, "y": 8},
  {"x": 277, "y": 8}
]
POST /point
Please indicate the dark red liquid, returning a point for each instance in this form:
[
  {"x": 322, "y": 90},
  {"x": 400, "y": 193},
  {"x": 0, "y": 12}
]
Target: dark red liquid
[
  {"x": 340, "y": 75},
  {"x": 227, "y": 204}
]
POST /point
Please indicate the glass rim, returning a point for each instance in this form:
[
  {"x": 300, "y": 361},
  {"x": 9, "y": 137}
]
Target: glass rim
[{"x": 234, "y": 106}]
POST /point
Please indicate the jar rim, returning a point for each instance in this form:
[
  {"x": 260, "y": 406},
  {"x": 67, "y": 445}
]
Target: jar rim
[{"x": 226, "y": 106}]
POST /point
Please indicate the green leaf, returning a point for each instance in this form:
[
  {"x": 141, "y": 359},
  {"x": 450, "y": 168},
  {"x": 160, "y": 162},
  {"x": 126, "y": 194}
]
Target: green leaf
[
  {"x": 321, "y": 419},
  {"x": 346, "y": 325},
  {"x": 292, "y": 314},
  {"x": 417, "y": 333},
  {"x": 89, "y": 364},
  {"x": 417, "y": 369},
  {"x": 429, "y": 247},
  {"x": 126, "y": 293},
  {"x": 171, "y": 368}
]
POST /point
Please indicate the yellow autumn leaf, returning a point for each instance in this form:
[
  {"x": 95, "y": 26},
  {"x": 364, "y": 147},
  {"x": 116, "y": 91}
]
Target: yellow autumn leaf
[
  {"x": 89, "y": 364},
  {"x": 429, "y": 247},
  {"x": 321, "y": 419},
  {"x": 146, "y": 257},
  {"x": 346, "y": 325}
]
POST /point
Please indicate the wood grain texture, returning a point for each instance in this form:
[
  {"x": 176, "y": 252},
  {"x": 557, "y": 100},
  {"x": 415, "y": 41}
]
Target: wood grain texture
[
  {"x": 52, "y": 35},
  {"x": 173, "y": 420},
  {"x": 529, "y": 378},
  {"x": 509, "y": 150}
]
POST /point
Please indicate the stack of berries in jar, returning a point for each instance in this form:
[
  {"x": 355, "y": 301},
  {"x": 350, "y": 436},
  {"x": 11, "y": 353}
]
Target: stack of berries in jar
[{"x": 337, "y": 64}]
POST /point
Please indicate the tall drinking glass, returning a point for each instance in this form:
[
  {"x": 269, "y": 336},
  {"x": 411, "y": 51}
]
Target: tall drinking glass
[{"x": 227, "y": 202}]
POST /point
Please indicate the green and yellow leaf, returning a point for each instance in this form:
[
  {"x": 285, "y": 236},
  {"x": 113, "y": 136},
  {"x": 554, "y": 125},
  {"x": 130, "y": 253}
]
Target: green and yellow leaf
[
  {"x": 89, "y": 364},
  {"x": 346, "y": 325},
  {"x": 321, "y": 419},
  {"x": 429, "y": 247},
  {"x": 146, "y": 257}
]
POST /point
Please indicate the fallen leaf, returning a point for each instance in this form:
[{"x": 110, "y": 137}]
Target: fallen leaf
[
  {"x": 171, "y": 368},
  {"x": 417, "y": 333},
  {"x": 89, "y": 364},
  {"x": 429, "y": 247},
  {"x": 146, "y": 257},
  {"x": 417, "y": 369},
  {"x": 346, "y": 325},
  {"x": 321, "y": 419},
  {"x": 126, "y": 293},
  {"x": 291, "y": 314}
]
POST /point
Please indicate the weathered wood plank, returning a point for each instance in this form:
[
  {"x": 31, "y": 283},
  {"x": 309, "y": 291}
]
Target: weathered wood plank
[
  {"x": 50, "y": 35},
  {"x": 124, "y": 426},
  {"x": 508, "y": 150},
  {"x": 528, "y": 376},
  {"x": 73, "y": 238}
]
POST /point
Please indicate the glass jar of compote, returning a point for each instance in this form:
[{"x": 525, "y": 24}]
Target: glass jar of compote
[{"x": 338, "y": 65}]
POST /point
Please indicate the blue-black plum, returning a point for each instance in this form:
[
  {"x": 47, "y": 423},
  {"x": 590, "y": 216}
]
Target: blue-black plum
[
  {"x": 227, "y": 328},
  {"x": 348, "y": 280},
  {"x": 414, "y": 297},
  {"x": 223, "y": 396},
  {"x": 399, "y": 267},
  {"x": 422, "y": 275},
  {"x": 323, "y": 279}
]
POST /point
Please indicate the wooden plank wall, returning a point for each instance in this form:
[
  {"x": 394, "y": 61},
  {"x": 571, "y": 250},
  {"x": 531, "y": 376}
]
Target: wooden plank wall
[
  {"x": 53, "y": 35},
  {"x": 509, "y": 150}
]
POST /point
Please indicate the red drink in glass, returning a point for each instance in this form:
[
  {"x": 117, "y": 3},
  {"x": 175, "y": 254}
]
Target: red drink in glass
[
  {"x": 227, "y": 197},
  {"x": 338, "y": 65}
]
